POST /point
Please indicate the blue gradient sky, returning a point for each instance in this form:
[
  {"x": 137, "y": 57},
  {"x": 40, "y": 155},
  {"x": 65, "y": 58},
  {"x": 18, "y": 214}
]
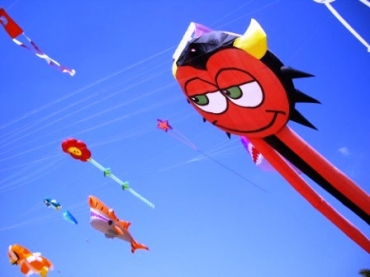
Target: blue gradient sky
[{"x": 208, "y": 220}]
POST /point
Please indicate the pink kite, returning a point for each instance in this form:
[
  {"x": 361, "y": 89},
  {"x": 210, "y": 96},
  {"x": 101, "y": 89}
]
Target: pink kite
[{"x": 164, "y": 125}]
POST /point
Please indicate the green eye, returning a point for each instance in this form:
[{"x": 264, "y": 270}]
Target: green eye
[
  {"x": 233, "y": 92},
  {"x": 201, "y": 99}
]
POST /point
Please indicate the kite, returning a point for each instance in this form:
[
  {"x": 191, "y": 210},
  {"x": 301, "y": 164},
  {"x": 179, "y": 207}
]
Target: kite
[
  {"x": 234, "y": 82},
  {"x": 344, "y": 22},
  {"x": 15, "y": 31},
  {"x": 52, "y": 203},
  {"x": 164, "y": 125},
  {"x": 69, "y": 217},
  {"x": 105, "y": 220},
  {"x": 79, "y": 151},
  {"x": 28, "y": 262}
]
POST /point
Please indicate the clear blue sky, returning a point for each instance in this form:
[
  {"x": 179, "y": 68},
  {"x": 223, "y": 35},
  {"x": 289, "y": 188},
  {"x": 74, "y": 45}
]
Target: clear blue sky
[{"x": 208, "y": 221}]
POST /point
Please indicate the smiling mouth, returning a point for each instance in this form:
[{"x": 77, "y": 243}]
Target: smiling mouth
[{"x": 276, "y": 113}]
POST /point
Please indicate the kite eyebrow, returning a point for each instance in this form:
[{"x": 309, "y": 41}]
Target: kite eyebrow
[{"x": 198, "y": 85}]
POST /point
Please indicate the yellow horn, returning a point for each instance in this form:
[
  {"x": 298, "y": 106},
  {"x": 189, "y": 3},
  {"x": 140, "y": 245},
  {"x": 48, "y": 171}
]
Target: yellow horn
[
  {"x": 253, "y": 41},
  {"x": 174, "y": 68}
]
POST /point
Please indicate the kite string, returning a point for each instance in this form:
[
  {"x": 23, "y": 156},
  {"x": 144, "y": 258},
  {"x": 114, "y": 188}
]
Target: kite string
[
  {"x": 124, "y": 116},
  {"x": 349, "y": 27},
  {"x": 188, "y": 143},
  {"x": 78, "y": 103},
  {"x": 101, "y": 80},
  {"x": 365, "y": 2},
  {"x": 182, "y": 139},
  {"x": 231, "y": 170},
  {"x": 12, "y": 4},
  {"x": 254, "y": 11},
  {"x": 232, "y": 12}
]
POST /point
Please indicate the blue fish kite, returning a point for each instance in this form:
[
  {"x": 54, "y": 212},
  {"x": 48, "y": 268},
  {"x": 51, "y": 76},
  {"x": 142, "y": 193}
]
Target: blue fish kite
[{"x": 52, "y": 203}]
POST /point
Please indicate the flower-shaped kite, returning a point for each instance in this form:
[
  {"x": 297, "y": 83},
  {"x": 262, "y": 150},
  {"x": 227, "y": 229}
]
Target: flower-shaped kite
[{"x": 79, "y": 151}]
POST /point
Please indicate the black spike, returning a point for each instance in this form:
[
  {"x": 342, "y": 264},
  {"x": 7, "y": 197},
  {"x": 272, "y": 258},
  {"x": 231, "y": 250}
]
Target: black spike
[
  {"x": 300, "y": 97},
  {"x": 299, "y": 118},
  {"x": 292, "y": 73},
  {"x": 228, "y": 135},
  {"x": 204, "y": 120},
  {"x": 187, "y": 100}
]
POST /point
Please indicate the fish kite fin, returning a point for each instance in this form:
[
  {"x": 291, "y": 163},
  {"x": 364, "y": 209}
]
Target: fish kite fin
[
  {"x": 118, "y": 230},
  {"x": 25, "y": 270},
  {"x": 124, "y": 224},
  {"x": 112, "y": 215},
  {"x": 135, "y": 246}
]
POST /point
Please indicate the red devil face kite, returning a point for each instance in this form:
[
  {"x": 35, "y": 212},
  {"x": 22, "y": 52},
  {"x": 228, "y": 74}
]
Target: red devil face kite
[{"x": 241, "y": 87}]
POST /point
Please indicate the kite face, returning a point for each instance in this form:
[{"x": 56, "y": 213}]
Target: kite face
[
  {"x": 237, "y": 93},
  {"x": 237, "y": 84},
  {"x": 77, "y": 149}
]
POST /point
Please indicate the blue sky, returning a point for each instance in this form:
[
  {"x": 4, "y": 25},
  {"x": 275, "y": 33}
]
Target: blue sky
[{"x": 208, "y": 220}]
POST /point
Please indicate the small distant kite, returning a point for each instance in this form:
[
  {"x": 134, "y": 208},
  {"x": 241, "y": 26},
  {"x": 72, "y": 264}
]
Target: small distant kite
[
  {"x": 69, "y": 217},
  {"x": 344, "y": 22},
  {"x": 52, "y": 203},
  {"x": 79, "y": 151},
  {"x": 15, "y": 31},
  {"x": 28, "y": 262},
  {"x": 104, "y": 220},
  {"x": 164, "y": 125}
]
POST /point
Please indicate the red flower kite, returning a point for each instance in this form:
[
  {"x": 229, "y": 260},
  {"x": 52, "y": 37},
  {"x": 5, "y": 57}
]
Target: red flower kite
[{"x": 77, "y": 149}]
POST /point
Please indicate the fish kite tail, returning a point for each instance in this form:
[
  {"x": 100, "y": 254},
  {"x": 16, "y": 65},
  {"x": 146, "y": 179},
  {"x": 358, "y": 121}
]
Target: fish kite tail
[{"x": 135, "y": 246}]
